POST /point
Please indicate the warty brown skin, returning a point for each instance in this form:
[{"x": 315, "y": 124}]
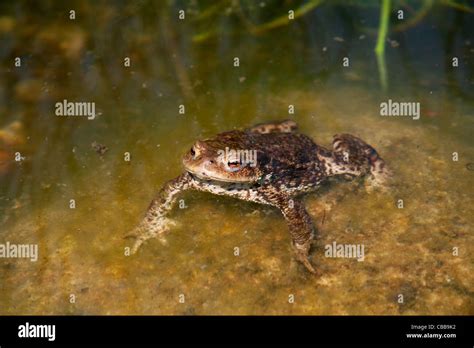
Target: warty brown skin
[{"x": 288, "y": 164}]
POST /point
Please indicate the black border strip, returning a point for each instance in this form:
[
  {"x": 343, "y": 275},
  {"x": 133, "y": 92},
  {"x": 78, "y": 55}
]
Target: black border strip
[{"x": 194, "y": 330}]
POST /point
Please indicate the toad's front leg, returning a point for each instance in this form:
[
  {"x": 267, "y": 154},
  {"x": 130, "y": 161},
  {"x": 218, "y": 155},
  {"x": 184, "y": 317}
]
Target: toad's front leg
[
  {"x": 301, "y": 229},
  {"x": 155, "y": 221}
]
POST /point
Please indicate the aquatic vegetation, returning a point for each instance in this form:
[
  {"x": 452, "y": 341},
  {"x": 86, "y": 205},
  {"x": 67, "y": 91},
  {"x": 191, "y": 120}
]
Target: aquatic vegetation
[
  {"x": 238, "y": 8},
  {"x": 382, "y": 37}
]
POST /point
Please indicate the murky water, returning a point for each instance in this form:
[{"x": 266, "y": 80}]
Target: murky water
[{"x": 422, "y": 250}]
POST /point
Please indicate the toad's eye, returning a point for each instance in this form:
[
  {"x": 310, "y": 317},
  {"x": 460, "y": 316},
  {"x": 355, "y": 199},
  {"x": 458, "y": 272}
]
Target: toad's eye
[
  {"x": 193, "y": 153},
  {"x": 233, "y": 164}
]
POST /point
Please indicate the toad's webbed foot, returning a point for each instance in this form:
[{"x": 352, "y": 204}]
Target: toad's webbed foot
[
  {"x": 355, "y": 157},
  {"x": 150, "y": 230},
  {"x": 302, "y": 255}
]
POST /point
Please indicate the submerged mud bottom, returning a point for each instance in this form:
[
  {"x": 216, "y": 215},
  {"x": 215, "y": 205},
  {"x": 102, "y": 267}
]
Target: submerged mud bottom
[{"x": 226, "y": 256}]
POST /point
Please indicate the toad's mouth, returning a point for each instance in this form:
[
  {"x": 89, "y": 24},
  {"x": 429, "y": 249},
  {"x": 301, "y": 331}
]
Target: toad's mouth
[{"x": 209, "y": 177}]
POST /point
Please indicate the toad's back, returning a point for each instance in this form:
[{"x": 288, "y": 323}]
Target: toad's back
[{"x": 280, "y": 150}]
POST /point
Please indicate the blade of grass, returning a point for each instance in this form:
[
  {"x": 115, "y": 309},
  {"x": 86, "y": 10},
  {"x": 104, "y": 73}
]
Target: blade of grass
[{"x": 381, "y": 39}]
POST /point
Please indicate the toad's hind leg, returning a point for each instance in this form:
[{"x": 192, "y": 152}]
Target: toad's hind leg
[
  {"x": 301, "y": 229},
  {"x": 155, "y": 221},
  {"x": 287, "y": 126}
]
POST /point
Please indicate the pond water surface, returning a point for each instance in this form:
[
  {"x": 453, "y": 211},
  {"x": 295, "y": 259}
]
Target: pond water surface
[{"x": 422, "y": 251}]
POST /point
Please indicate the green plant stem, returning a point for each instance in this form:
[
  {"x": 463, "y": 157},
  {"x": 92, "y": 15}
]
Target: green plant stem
[
  {"x": 381, "y": 39},
  {"x": 284, "y": 20}
]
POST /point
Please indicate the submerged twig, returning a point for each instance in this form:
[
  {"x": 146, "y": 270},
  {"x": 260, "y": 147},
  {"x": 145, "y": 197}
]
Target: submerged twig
[
  {"x": 458, "y": 6},
  {"x": 427, "y": 4},
  {"x": 209, "y": 12},
  {"x": 284, "y": 19},
  {"x": 257, "y": 29}
]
